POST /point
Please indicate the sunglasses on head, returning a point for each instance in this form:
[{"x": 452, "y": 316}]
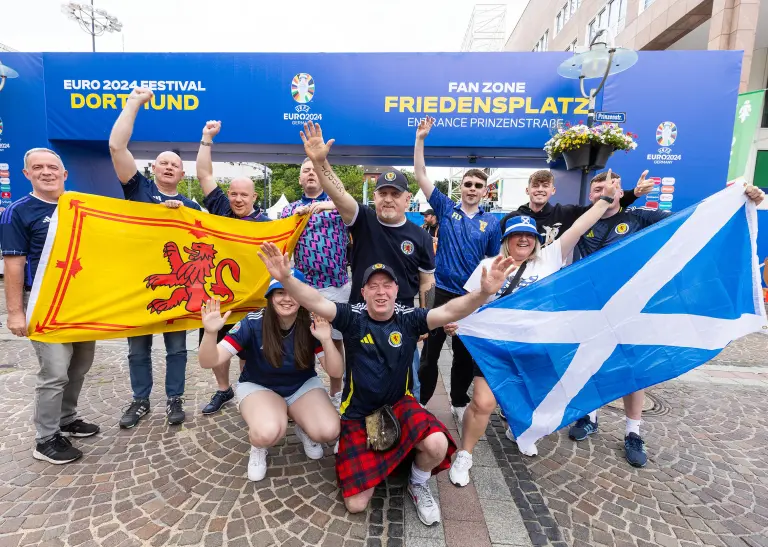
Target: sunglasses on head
[{"x": 477, "y": 185}]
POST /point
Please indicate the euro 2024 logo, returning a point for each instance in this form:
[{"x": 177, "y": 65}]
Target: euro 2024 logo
[
  {"x": 302, "y": 91},
  {"x": 666, "y": 135}
]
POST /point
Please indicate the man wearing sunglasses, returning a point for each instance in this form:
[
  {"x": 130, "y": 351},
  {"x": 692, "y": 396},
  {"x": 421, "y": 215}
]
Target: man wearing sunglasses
[{"x": 467, "y": 235}]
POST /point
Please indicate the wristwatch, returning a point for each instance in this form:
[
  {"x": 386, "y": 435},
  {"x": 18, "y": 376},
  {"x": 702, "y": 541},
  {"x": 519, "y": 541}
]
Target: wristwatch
[
  {"x": 206, "y": 143},
  {"x": 606, "y": 198}
]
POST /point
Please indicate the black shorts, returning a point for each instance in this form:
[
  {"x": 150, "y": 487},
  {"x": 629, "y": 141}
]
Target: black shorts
[
  {"x": 219, "y": 336},
  {"x": 476, "y": 372}
]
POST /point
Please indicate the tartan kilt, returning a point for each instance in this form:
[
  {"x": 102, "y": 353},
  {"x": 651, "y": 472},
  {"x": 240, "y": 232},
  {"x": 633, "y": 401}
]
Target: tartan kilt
[{"x": 359, "y": 468}]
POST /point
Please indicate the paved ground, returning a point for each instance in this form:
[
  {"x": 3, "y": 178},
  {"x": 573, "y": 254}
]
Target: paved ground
[{"x": 706, "y": 482}]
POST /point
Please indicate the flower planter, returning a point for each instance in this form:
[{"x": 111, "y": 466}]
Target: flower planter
[{"x": 594, "y": 156}]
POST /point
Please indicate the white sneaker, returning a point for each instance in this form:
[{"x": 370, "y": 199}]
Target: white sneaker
[
  {"x": 458, "y": 413},
  {"x": 336, "y": 448},
  {"x": 313, "y": 450},
  {"x": 459, "y": 473},
  {"x": 528, "y": 450},
  {"x": 336, "y": 401},
  {"x": 426, "y": 506},
  {"x": 257, "y": 464},
  {"x": 510, "y": 435}
]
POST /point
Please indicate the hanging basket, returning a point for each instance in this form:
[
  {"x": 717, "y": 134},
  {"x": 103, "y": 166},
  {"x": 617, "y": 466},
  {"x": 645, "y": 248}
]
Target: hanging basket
[{"x": 591, "y": 156}]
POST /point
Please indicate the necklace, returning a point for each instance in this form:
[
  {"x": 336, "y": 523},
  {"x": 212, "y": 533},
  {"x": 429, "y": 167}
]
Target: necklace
[{"x": 288, "y": 332}]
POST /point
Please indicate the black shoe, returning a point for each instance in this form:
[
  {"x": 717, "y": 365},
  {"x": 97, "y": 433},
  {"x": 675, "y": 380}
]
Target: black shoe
[
  {"x": 174, "y": 411},
  {"x": 634, "y": 450},
  {"x": 583, "y": 428},
  {"x": 57, "y": 451},
  {"x": 79, "y": 428},
  {"x": 218, "y": 400},
  {"x": 137, "y": 409}
]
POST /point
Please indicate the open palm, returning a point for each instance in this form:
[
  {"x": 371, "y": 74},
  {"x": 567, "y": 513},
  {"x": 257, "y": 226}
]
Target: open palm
[{"x": 314, "y": 146}]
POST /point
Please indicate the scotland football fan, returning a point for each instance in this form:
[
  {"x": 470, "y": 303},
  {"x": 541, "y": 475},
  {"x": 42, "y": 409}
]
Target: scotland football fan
[
  {"x": 553, "y": 220},
  {"x": 468, "y": 235},
  {"x": 616, "y": 224},
  {"x": 381, "y": 421},
  {"x": 168, "y": 170},
  {"x": 24, "y": 225},
  {"x": 321, "y": 252},
  {"x": 238, "y": 202},
  {"x": 278, "y": 380},
  {"x": 533, "y": 262},
  {"x": 384, "y": 235}
]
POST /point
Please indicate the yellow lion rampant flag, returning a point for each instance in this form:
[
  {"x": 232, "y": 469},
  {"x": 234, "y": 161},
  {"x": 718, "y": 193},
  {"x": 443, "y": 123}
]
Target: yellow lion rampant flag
[{"x": 113, "y": 268}]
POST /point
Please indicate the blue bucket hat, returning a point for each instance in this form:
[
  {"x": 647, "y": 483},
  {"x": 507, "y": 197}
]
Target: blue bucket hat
[
  {"x": 521, "y": 223},
  {"x": 275, "y": 284}
]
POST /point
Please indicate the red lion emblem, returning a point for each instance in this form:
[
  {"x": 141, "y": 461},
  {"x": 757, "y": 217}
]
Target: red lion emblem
[{"x": 190, "y": 277}]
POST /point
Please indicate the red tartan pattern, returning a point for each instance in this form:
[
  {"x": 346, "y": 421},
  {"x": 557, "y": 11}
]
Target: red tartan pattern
[{"x": 358, "y": 468}]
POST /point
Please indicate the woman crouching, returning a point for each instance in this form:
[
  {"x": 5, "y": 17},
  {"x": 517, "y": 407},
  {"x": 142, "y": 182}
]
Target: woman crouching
[{"x": 279, "y": 345}]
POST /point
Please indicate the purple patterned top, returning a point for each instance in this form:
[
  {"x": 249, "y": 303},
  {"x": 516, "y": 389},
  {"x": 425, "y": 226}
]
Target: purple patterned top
[{"x": 321, "y": 253}]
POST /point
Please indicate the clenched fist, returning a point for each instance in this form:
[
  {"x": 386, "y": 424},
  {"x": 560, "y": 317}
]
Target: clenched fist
[
  {"x": 211, "y": 129},
  {"x": 141, "y": 95}
]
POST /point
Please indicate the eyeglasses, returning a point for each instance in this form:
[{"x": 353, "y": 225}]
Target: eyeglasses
[{"x": 477, "y": 185}]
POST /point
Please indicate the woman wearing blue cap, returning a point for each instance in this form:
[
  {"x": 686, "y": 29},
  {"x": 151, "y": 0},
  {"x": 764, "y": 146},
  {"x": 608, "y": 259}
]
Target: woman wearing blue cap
[
  {"x": 522, "y": 242},
  {"x": 278, "y": 381}
]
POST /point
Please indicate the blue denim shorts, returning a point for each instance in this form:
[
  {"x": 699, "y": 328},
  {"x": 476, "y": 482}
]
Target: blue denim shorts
[{"x": 243, "y": 389}]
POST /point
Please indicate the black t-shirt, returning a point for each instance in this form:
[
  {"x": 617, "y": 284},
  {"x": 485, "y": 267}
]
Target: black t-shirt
[
  {"x": 379, "y": 355},
  {"x": 554, "y": 220},
  {"x": 217, "y": 204},
  {"x": 612, "y": 229},
  {"x": 431, "y": 230},
  {"x": 406, "y": 248},
  {"x": 140, "y": 188}
]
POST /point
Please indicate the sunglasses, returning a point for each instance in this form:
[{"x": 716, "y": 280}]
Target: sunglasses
[{"x": 477, "y": 185}]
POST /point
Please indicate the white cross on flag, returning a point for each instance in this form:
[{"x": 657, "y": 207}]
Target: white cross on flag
[{"x": 640, "y": 312}]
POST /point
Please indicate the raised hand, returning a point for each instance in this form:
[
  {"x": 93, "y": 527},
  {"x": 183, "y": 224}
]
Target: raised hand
[
  {"x": 320, "y": 328},
  {"x": 610, "y": 187},
  {"x": 278, "y": 264},
  {"x": 211, "y": 129},
  {"x": 213, "y": 321},
  {"x": 424, "y": 126},
  {"x": 492, "y": 280},
  {"x": 643, "y": 186},
  {"x": 141, "y": 95},
  {"x": 314, "y": 145}
]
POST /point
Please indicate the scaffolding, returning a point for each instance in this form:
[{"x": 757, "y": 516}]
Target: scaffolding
[{"x": 486, "y": 31}]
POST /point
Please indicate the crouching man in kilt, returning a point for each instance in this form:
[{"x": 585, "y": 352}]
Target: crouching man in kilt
[{"x": 380, "y": 338}]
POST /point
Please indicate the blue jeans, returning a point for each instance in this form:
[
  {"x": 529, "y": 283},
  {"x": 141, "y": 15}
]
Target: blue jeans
[
  {"x": 140, "y": 364},
  {"x": 415, "y": 375}
]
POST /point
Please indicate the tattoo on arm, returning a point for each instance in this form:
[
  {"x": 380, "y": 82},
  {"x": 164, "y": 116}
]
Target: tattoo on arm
[
  {"x": 429, "y": 297},
  {"x": 330, "y": 175}
]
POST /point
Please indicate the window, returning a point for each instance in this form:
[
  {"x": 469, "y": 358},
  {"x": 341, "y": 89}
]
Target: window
[
  {"x": 612, "y": 17},
  {"x": 645, "y": 4},
  {"x": 558, "y": 22},
  {"x": 564, "y": 15},
  {"x": 543, "y": 42},
  {"x": 761, "y": 169}
]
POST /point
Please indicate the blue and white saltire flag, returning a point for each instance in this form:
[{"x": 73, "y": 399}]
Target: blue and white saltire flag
[{"x": 638, "y": 313}]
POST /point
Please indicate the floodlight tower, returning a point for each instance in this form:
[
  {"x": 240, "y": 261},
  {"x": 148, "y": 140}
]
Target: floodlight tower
[
  {"x": 92, "y": 20},
  {"x": 485, "y": 32}
]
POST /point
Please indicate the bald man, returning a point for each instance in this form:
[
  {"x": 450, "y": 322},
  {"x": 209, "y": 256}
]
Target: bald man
[
  {"x": 168, "y": 170},
  {"x": 238, "y": 202}
]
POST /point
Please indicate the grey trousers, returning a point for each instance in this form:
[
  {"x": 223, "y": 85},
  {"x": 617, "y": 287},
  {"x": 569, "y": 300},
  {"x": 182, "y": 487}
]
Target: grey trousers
[{"x": 59, "y": 381}]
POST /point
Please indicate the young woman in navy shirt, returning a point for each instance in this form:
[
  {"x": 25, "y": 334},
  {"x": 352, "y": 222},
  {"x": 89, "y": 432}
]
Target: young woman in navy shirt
[{"x": 279, "y": 345}]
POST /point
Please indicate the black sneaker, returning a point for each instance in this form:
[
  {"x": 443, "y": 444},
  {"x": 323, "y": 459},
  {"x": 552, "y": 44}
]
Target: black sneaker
[
  {"x": 634, "y": 450},
  {"x": 79, "y": 428},
  {"x": 57, "y": 451},
  {"x": 218, "y": 400},
  {"x": 137, "y": 409},
  {"x": 583, "y": 428},
  {"x": 174, "y": 411}
]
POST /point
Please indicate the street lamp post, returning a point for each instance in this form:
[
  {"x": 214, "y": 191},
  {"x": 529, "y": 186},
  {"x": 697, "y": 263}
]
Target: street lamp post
[
  {"x": 5, "y": 73},
  {"x": 601, "y": 60},
  {"x": 92, "y": 20}
]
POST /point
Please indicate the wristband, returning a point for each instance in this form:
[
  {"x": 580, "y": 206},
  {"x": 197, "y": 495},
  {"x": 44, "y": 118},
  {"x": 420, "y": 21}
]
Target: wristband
[
  {"x": 206, "y": 143},
  {"x": 606, "y": 198}
]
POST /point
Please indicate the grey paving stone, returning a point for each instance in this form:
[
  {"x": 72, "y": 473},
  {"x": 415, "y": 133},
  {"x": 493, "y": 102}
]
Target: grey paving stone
[
  {"x": 505, "y": 525},
  {"x": 489, "y": 483}
]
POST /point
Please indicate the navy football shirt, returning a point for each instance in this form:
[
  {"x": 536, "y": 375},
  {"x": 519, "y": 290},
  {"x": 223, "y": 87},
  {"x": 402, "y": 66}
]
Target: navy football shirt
[
  {"x": 24, "y": 226},
  {"x": 464, "y": 242},
  {"x": 612, "y": 229},
  {"x": 405, "y": 248},
  {"x": 217, "y": 203},
  {"x": 379, "y": 355},
  {"x": 246, "y": 338},
  {"x": 140, "y": 188}
]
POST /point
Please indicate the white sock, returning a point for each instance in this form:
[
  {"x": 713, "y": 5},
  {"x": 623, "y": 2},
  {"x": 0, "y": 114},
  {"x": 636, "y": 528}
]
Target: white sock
[
  {"x": 593, "y": 415},
  {"x": 633, "y": 426},
  {"x": 418, "y": 476}
]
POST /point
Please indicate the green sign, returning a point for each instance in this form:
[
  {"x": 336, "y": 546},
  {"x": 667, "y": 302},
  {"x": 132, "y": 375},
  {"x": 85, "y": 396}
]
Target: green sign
[{"x": 749, "y": 109}]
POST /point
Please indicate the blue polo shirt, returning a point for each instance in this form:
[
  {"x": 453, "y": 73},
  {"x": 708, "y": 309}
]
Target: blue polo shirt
[
  {"x": 246, "y": 338},
  {"x": 23, "y": 228},
  {"x": 217, "y": 204},
  {"x": 464, "y": 242},
  {"x": 379, "y": 355},
  {"x": 140, "y": 188}
]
